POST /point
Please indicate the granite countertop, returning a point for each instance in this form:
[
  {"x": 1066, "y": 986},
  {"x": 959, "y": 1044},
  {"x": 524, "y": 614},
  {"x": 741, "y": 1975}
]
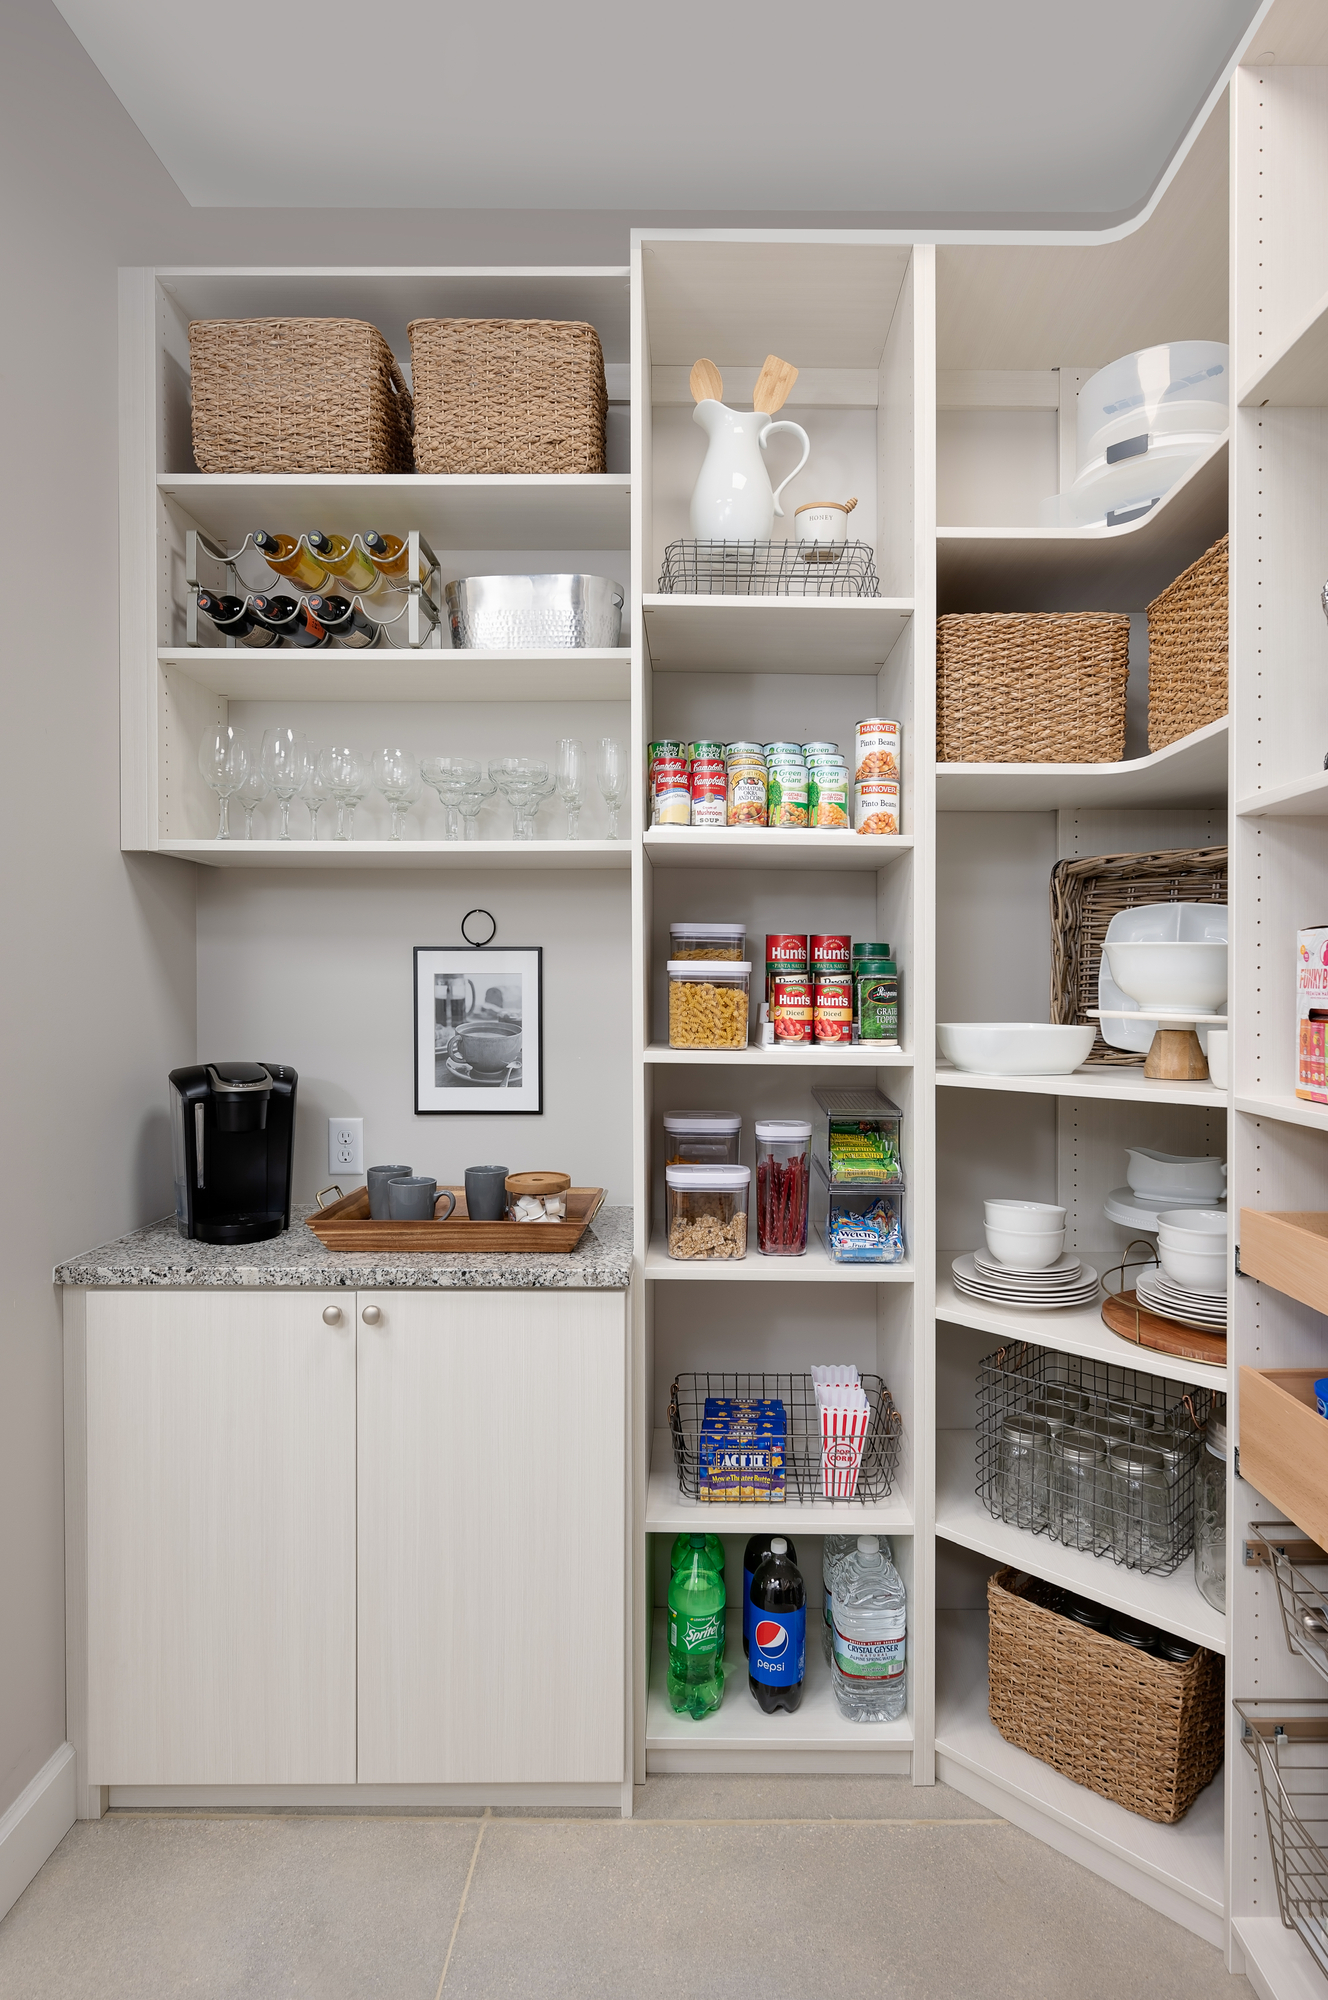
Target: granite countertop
[{"x": 296, "y": 1260}]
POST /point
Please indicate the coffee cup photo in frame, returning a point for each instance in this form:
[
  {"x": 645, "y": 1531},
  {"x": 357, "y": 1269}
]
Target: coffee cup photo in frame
[{"x": 479, "y": 1029}]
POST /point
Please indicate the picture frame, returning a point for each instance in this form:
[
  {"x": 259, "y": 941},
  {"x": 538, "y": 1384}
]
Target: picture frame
[{"x": 479, "y": 1030}]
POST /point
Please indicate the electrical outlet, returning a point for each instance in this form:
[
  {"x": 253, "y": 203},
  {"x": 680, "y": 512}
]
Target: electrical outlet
[{"x": 345, "y": 1145}]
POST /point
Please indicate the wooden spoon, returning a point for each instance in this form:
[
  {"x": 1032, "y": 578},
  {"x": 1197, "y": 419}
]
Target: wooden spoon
[
  {"x": 773, "y": 384},
  {"x": 706, "y": 382}
]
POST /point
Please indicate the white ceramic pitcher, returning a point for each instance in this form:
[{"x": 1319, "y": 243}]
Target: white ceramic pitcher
[{"x": 733, "y": 501}]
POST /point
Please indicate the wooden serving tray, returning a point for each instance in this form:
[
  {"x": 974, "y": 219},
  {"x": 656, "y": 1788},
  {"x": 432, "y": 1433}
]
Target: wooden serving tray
[
  {"x": 347, "y": 1225},
  {"x": 1125, "y": 1316}
]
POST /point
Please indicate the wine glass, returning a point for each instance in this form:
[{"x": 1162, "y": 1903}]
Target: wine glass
[
  {"x": 450, "y": 777},
  {"x": 223, "y": 758},
  {"x": 611, "y": 777},
  {"x": 314, "y": 789},
  {"x": 286, "y": 770},
  {"x": 254, "y": 788},
  {"x": 397, "y": 776},
  {"x": 347, "y": 776},
  {"x": 570, "y": 778},
  {"x": 525, "y": 782},
  {"x": 475, "y": 794}
]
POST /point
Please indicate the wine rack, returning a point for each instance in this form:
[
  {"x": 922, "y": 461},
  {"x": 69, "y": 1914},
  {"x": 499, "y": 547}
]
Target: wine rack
[{"x": 420, "y": 607}]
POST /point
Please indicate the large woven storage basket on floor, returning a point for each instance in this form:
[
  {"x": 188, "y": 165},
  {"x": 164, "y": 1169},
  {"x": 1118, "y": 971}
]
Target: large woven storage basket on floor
[
  {"x": 508, "y": 395},
  {"x": 1088, "y": 892},
  {"x": 1187, "y": 650},
  {"x": 1144, "y": 1732},
  {"x": 297, "y": 395},
  {"x": 1037, "y": 687}
]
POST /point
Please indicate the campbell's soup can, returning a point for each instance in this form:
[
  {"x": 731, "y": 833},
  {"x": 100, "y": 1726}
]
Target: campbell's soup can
[
  {"x": 876, "y": 807},
  {"x": 829, "y": 951},
  {"x": 876, "y": 751},
  {"x": 832, "y": 1007},
  {"x": 670, "y": 798},
  {"x": 791, "y": 1007},
  {"x": 708, "y": 785},
  {"x": 705, "y": 753}
]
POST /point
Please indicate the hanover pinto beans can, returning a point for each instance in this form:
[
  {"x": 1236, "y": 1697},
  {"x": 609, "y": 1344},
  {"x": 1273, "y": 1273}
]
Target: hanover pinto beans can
[
  {"x": 876, "y": 807},
  {"x": 876, "y": 751}
]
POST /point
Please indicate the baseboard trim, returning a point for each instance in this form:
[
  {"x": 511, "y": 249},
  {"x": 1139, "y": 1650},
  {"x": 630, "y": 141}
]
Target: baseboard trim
[
  {"x": 35, "y": 1824},
  {"x": 361, "y": 1798}
]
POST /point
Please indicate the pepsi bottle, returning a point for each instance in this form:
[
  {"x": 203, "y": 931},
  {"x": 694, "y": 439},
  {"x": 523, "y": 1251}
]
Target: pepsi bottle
[
  {"x": 757, "y": 1549},
  {"x": 776, "y": 1658}
]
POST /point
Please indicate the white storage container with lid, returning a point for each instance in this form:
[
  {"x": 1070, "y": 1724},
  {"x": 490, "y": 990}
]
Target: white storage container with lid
[
  {"x": 707, "y": 940},
  {"x": 702, "y": 1138},
  {"x": 706, "y": 1212},
  {"x": 708, "y": 1003},
  {"x": 1143, "y": 421}
]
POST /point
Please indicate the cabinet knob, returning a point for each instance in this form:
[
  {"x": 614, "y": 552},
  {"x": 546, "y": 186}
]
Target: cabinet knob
[
  {"x": 331, "y": 1315},
  {"x": 371, "y": 1315}
]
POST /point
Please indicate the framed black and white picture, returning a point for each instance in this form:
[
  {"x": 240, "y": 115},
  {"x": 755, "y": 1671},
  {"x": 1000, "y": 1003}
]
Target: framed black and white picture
[{"x": 479, "y": 1044}]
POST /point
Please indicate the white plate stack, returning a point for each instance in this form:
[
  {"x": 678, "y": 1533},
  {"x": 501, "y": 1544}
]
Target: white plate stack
[
  {"x": 1067, "y": 1282},
  {"x": 1163, "y": 1295}
]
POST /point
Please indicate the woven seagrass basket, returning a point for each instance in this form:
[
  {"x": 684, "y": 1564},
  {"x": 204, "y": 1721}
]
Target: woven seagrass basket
[
  {"x": 1144, "y": 1732},
  {"x": 1087, "y": 893},
  {"x": 1036, "y": 687},
  {"x": 297, "y": 395},
  {"x": 508, "y": 395},
  {"x": 1187, "y": 650}
]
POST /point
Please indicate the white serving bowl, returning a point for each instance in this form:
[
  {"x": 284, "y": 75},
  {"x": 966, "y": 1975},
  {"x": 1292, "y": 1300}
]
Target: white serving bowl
[
  {"x": 1200, "y": 1270},
  {"x": 1195, "y": 1228},
  {"x": 1013, "y": 1048},
  {"x": 1168, "y": 1174},
  {"x": 1023, "y": 1218},
  {"x": 1026, "y": 1253},
  {"x": 1177, "y": 977}
]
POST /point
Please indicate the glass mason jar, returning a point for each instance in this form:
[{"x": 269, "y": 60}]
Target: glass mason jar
[
  {"x": 1210, "y": 1516},
  {"x": 783, "y": 1186},
  {"x": 1079, "y": 1514},
  {"x": 1141, "y": 1493},
  {"x": 1023, "y": 1468}
]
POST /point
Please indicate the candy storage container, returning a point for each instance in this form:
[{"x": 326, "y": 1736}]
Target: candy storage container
[
  {"x": 708, "y": 1003},
  {"x": 783, "y": 1190},
  {"x": 859, "y": 1222},
  {"x": 707, "y": 1212},
  {"x": 857, "y": 1137},
  {"x": 696, "y": 941},
  {"x": 702, "y": 1138}
]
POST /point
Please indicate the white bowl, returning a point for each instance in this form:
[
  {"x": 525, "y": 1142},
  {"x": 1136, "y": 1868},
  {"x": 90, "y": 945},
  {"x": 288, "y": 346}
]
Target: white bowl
[
  {"x": 1013, "y": 1048},
  {"x": 1167, "y": 1174},
  {"x": 1201, "y": 1270},
  {"x": 1217, "y": 1057},
  {"x": 1026, "y": 1253},
  {"x": 1170, "y": 977},
  {"x": 1199, "y": 1226},
  {"x": 1023, "y": 1218}
]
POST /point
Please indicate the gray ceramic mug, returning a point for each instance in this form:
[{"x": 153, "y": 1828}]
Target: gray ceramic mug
[
  {"x": 486, "y": 1193},
  {"x": 378, "y": 1178},
  {"x": 415, "y": 1198}
]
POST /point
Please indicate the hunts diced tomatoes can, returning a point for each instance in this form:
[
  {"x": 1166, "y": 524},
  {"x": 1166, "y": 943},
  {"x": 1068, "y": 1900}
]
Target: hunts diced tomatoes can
[
  {"x": 791, "y": 1007},
  {"x": 832, "y": 1007}
]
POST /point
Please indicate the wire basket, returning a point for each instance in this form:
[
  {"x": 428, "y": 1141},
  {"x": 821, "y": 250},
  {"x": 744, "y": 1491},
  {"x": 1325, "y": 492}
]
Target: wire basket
[
  {"x": 1288, "y": 1741},
  {"x": 770, "y": 569},
  {"x": 1302, "y": 1597},
  {"x": 1126, "y": 1493},
  {"x": 802, "y": 1449}
]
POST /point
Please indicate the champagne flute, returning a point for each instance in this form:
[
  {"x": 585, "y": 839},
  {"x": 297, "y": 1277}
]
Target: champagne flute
[
  {"x": 286, "y": 769},
  {"x": 397, "y": 776},
  {"x": 347, "y": 777},
  {"x": 223, "y": 758},
  {"x": 570, "y": 778},
  {"x": 253, "y": 790},
  {"x": 611, "y": 777},
  {"x": 314, "y": 790}
]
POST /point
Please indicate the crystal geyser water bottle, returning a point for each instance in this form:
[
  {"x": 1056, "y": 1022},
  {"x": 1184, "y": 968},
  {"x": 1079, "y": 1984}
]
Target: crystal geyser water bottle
[
  {"x": 868, "y": 1665},
  {"x": 833, "y": 1550},
  {"x": 696, "y": 1634}
]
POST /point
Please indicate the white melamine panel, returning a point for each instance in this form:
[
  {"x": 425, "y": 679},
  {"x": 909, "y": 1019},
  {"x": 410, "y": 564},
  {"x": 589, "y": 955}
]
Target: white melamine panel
[
  {"x": 994, "y": 467},
  {"x": 402, "y": 674},
  {"x": 1192, "y": 770},
  {"x": 492, "y": 1496},
  {"x": 1281, "y": 136},
  {"x": 737, "y": 296},
  {"x": 993, "y": 934},
  {"x": 221, "y": 1538},
  {"x": 772, "y": 635}
]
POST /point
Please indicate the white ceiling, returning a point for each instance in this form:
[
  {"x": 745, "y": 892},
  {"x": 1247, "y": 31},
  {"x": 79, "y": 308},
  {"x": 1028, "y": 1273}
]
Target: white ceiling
[{"x": 1031, "y": 108}]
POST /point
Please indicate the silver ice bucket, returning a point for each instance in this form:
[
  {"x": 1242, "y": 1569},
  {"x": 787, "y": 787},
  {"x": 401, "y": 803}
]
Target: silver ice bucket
[{"x": 492, "y": 614}]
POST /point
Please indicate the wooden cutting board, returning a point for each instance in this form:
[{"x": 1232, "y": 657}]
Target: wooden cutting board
[
  {"x": 347, "y": 1225},
  {"x": 1142, "y": 1328}
]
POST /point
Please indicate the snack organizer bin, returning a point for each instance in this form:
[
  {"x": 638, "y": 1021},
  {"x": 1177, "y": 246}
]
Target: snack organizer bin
[
  {"x": 802, "y": 1439},
  {"x": 858, "y": 1176}
]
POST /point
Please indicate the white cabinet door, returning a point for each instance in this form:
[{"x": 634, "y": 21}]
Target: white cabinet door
[
  {"x": 491, "y": 1537},
  {"x": 221, "y": 1538}
]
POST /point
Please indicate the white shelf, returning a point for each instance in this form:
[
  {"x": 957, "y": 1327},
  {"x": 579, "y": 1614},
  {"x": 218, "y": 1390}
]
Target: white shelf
[
  {"x": 815, "y": 1267},
  {"x": 1190, "y": 772},
  {"x": 1170, "y": 1602},
  {"x": 524, "y": 854},
  {"x": 668, "y": 1512},
  {"x": 1185, "y": 1859},
  {"x": 1297, "y": 377},
  {"x": 1068, "y": 1329},
  {"x": 1070, "y": 569},
  {"x": 773, "y": 635},
  {"x": 1300, "y": 798},
  {"x": 740, "y": 1735},
  {"x": 427, "y": 673},
  {"x": 1116, "y": 1086},
  {"x": 801, "y": 1057},
  {"x": 1277, "y": 1965},
  {"x": 785, "y": 848},
  {"x": 566, "y": 511},
  {"x": 1285, "y": 1106}
]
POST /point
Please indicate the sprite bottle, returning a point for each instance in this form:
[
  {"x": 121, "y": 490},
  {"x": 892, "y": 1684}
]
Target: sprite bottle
[
  {"x": 682, "y": 1549},
  {"x": 696, "y": 1633}
]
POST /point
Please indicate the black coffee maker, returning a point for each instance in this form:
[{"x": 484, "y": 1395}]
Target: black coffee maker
[{"x": 233, "y": 1144}]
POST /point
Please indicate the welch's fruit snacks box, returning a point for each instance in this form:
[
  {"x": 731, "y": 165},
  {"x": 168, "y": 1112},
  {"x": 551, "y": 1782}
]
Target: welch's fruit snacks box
[{"x": 1311, "y": 1014}]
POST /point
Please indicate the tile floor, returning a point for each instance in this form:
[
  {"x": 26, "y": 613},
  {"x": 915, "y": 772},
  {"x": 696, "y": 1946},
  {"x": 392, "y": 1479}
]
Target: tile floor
[{"x": 864, "y": 1884}]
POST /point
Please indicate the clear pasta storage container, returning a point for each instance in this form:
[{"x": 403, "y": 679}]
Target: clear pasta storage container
[
  {"x": 706, "y": 941},
  {"x": 706, "y": 1212},
  {"x": 708, "y": 1003},
  {"x": 702, "y": 1138}
]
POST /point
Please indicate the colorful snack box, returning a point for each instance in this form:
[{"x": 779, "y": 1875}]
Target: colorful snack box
[{"x": 1312, "y": 1015}]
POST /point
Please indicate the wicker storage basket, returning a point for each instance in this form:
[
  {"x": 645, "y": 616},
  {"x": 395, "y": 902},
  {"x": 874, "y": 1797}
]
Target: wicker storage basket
[
  {"x": 297, "y": 395},
  {"x": 1086, "y": 894},
  {"x": 508, "y": 395},
  {"x": 1187, "y": 650},
  {"x": 1035, "y": 687},
  {"x": 1144, "y": 1732}
]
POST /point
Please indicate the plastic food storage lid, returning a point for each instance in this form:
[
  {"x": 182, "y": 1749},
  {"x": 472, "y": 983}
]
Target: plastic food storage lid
[
  {"x": 710, "y": 968},
  {"x": 703, "y": 1178},
  {"x": 779, "y": 1131},
  {"x": 707, "y": 930},
  {"x": 702, "y": 1121},
  {"x": 856, "y": 1104}
]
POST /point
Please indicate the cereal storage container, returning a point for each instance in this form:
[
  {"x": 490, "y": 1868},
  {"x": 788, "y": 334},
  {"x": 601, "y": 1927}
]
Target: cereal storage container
[
  {"x": 857, "y": 1137},
  {"x": 859, "y": 1222},
  {"x": 706, "y": 940},
  {"x": 706, "y": 1211},
  {"x": 708, "y": 1003},
  {"x": 702, "y": 1138}
]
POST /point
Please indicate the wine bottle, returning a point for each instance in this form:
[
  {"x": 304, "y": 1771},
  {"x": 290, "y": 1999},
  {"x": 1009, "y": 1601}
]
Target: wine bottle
[
  {"x": 232, "y": 618},
  {"x": 344, "y": 622},
  {"x": 390, "y": 555},
  {"x": 291, "y": 559},
  {"x": 346, "y": 562},
  {"x": 293, "y": 622}
]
